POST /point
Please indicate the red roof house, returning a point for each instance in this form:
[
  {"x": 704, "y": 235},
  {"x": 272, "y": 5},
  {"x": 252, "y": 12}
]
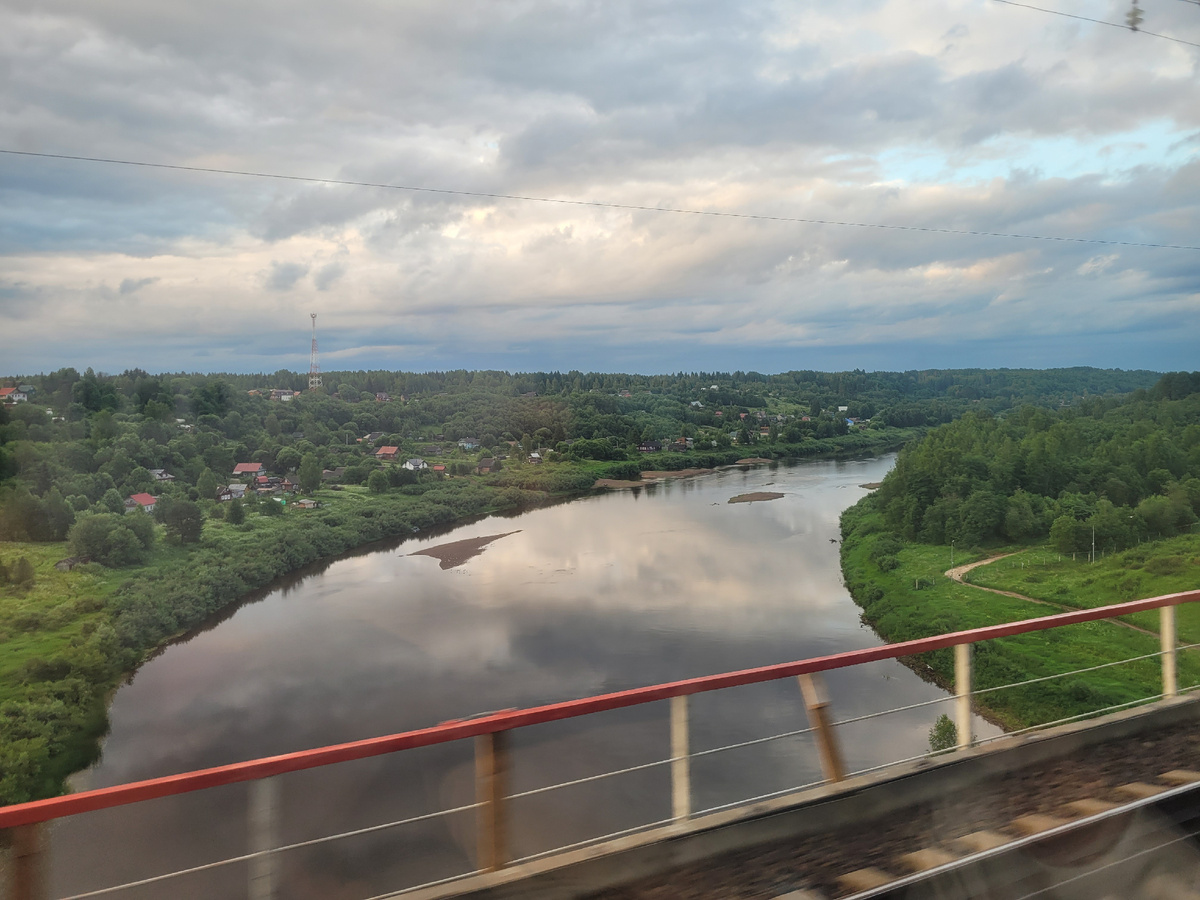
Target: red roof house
[
  {"x": 248, "y": 469},
  {"x": 387, "y": 452},
  {"x": 145, "y": 501}
]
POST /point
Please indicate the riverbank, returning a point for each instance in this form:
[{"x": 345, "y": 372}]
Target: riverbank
[
  {"x": 73, "y": 636},
  {"x": 904, "y": 592}
]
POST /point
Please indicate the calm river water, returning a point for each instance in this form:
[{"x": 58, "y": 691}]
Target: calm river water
[{"x": 614, "y": 591}]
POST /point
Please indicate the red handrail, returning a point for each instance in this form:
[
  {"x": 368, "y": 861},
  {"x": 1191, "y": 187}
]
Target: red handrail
[{"x": 120, "y": 795}]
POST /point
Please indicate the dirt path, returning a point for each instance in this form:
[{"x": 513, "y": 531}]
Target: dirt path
[{"x": 958, "y": 574}]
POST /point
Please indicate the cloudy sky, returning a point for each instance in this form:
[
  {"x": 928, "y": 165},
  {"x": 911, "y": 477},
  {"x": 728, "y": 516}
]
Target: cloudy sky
[{"x": 969, "y": 115}]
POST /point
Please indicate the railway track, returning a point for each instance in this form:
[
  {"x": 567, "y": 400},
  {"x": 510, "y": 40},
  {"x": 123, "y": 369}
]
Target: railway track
[
  {"x": 1059, "y": 828},
  {"x": 1138, "y": 842}
]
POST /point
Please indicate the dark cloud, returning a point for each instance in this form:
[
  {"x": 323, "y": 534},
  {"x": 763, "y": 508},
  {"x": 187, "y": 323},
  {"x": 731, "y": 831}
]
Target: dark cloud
[
  {"x": 328, "y": 275},
  {"x": 131, "y": 285},
  {"x": 283, "y": 276}
]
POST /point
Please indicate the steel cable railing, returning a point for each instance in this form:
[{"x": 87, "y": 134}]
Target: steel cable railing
[{"x": 489, "y": 729}]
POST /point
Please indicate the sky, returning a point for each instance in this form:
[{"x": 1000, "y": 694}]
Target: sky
[{"x": 964, "y": 115}]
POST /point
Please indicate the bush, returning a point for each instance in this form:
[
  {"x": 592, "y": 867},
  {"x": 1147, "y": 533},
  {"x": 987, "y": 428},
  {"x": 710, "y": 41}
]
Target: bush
[
  {"x": 943, "y": 735},
  {"x": 23, "y": 573},
  {"x": 106, "y": 539},
  {"x": 236, "y": 514}
]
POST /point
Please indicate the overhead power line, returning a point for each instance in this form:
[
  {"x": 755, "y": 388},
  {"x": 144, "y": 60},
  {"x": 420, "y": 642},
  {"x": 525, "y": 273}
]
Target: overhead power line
[
  {"x": 1123, "y": 27},
  {"x": 599, "y": 204}
]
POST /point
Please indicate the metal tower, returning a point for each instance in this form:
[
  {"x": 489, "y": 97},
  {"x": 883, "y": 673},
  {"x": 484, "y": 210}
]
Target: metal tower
[{"x": 314, "y": 368}]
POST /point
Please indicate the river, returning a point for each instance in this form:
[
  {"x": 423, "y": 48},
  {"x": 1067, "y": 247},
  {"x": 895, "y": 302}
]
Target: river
[{"x": 613, "y": 591}]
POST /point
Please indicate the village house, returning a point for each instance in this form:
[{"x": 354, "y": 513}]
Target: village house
[
  {"x": 382, "y": 397},
  {"x": 333, "y": 474},
  {"x": 235, "y": 491},
  {"x": 162, "y": 475},
  {"x": 485, "y": 466},
  {"x": 416, "y": 464},
  {"x": 387, "y": 452},
  {"x": 468, "y": 444},
  {"x": 283, "y": 395},
  {"x": 535, "y": 458},
  {"x": 650, "y": 446},
  {"x": 12, "y": 395},
  {"x": 251, "y": 469},
  {"x": 141, "y": 501},
  {"x": 307, "y": 503},
  {"x": 438, "y": 469},
  {"x": 370, "y": 438}
]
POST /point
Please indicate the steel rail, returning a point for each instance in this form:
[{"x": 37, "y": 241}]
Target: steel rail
[
  {"x": 250, "y": 770},
  {"x": 900, "y": 886}
]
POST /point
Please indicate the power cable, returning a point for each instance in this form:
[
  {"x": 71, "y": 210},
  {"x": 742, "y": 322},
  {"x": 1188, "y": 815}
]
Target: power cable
[
  {"x": 1055, "y": 12},
  {"x": 599, "y": 204}
]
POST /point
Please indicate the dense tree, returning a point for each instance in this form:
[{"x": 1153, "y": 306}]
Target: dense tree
[
  {"x": 184, "y": 520},
  {"x": 237, "y": 513},
  {"x": 377, "y": 482},
  {"x": 309, "y": 473},
  {"x": 206, "y": 485},
  {"x": 107, "y": 539}
]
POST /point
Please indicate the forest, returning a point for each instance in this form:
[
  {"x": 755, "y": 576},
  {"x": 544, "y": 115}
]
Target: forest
[
  {"x": 1092, "y": 504},
  {"x": 90, "y": 584},
  {"x": 1118, "y": 471}
]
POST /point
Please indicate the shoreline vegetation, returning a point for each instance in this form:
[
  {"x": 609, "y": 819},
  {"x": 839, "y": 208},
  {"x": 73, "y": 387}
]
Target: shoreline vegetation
[
  {"x": 91, "y": 585},
  {"x": 1070, "y": 509}
]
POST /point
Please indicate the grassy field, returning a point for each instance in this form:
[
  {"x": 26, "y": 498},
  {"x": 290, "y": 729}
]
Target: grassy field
[
  {"x": 1149, "y": 570},
  {"x": 905, "y": 594}
]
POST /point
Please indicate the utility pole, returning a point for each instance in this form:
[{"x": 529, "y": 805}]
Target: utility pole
[{"x": 1093, "y": 543}]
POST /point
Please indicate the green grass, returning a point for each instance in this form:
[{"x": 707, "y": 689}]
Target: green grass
[
  {"x": 1149, "y": 570},
  {"x": 910, "y": 597},
  {"x": 42, "y": 621}
]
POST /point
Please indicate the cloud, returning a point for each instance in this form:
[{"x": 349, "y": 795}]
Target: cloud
[
  {"x": 283, "y": 276},
  {"x": 962, "y": 115},
  {"x": 328, "y": 275},
  {"x": 130, "y": 285}
]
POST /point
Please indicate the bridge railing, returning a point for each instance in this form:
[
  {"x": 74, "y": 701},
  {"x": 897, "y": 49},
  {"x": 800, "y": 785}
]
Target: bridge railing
[{"x": 23, "y": 826}]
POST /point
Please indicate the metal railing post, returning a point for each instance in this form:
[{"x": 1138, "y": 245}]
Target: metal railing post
[
  {"x": 28, "y": 862},
  {"x": 820, "y": 718},
  {"x": 491, "y": 782},
  {"x": 1166, "y": 633},
  {"x": 264, "y": 838},
  {"x": 962, "y": 693},
  {"x": 681, "y": 779}
]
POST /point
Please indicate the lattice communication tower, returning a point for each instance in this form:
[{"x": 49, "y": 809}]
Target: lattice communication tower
[{"x": 314, "y": 368}]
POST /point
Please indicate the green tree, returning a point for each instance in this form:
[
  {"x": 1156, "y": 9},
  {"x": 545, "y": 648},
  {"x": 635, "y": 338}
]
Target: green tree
[
  {"x": 236, "y": 514},
  {"x": 1069, "y": 535},
  {"x": 943, "y": 735},
  {"x": 113, "y": 502},
  {"x": 59, "y": 516},
  {"x": 184, "y": 520},
  {"x": 105, "y": 538},
  {"x": 206, "y": 485},
  {"x": 309, "y": 473},
  {"x": 287, "y": 458},
  {"x": 377, "y": 482},
  {"x": 3, "y": 572}
]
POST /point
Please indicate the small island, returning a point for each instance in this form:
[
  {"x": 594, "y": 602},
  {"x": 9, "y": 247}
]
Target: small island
[
  {"x": 456, "y": 553},
  {"x": 756, "y": 496}
]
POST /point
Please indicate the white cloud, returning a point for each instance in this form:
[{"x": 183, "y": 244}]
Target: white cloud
[{"x": 960, "y": 114}]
